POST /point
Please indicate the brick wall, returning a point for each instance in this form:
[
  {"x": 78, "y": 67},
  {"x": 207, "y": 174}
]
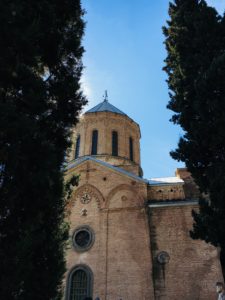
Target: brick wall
[
  {"x": 105, "y": 123},
  {"x": 120, "y": 258},
  {"x": 193, "y": 268},
  {"x": 128, "y": 240}
]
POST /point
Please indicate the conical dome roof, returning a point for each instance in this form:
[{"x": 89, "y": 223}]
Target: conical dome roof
[{"x": 105, "y": 106}]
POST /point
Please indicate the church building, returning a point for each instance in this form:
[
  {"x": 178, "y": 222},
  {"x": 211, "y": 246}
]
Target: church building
[{"x": 129, "y": 236}]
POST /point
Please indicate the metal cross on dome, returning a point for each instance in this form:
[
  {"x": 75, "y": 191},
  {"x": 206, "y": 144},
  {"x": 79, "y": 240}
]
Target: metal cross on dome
[{"x": 105, "y": 96}]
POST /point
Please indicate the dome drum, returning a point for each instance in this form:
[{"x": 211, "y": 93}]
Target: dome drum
[{"x": 110, "y": 135}]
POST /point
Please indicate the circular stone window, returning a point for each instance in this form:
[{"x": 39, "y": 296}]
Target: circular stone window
[{"x": 83, "y": 238}]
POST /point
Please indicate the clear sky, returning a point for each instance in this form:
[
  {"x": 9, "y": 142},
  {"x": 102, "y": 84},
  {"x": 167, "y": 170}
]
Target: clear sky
[{"x": 124, "y": 55}]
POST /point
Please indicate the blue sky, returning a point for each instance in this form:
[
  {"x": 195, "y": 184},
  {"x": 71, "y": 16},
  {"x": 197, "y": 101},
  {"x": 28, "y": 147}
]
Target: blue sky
[{"x": 124, "y": 55}]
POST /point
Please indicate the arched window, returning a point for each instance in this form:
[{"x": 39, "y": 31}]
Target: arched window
[
  {"x": 80, "y": 283},
  {"x": 131, "y": 148},
  {"x": 114, "y": 143},
  {"x": 77, "y": 150},
  {"x": 94, "y": 147}
]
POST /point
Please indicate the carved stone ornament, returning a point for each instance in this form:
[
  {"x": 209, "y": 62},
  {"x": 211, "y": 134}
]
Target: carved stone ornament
[
  {"x": 84, "y": 212},
  {"x": 85, "y": 197},
  {"x": 163, "y": 257},
  {"x": 86, "y": 194}
]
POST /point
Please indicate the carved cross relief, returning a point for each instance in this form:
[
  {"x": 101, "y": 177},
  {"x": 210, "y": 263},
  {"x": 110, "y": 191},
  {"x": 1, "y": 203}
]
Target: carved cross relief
[{"x": 87, "y": 171}]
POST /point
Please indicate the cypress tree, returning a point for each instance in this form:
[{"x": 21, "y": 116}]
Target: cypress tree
[
  {"x": 40, "y": 99},
  {"x": 195, "y": 64}
]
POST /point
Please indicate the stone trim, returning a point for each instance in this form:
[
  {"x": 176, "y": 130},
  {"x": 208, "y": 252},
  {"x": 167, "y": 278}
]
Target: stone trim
[
  {"x": 159, "y": 204},
  {"x": 114, "y": 210}
]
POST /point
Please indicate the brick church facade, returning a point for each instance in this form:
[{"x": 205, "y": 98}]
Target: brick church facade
[{"x": 129, "y": 237}]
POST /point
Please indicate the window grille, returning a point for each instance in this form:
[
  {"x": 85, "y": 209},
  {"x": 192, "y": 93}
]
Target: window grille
[{"x": 80, "y": 283}]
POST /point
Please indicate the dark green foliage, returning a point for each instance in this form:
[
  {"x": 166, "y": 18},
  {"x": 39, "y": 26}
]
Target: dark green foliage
[
  {"x": 40, "y": 99},
  {"x": 195, "y": 43}
]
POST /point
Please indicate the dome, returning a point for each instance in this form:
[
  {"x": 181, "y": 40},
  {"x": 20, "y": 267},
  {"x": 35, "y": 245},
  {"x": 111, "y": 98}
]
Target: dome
[{"x": 105, "y": 106}]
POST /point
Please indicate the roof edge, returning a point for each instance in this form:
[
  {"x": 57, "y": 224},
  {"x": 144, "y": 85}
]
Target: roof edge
[
  {"x": 82, "y": 159},
  {"x": 150, "y": 182}
]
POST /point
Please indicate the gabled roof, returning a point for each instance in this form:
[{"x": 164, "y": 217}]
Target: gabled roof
[
  {"x": 107, "y": 165},
  {"x": 105, "y": 106},
  {"x": 152, "y": 181}
]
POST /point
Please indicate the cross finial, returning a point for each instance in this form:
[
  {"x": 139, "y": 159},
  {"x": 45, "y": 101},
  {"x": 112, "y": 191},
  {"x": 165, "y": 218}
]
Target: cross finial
[{"x": 105, "y": 96}]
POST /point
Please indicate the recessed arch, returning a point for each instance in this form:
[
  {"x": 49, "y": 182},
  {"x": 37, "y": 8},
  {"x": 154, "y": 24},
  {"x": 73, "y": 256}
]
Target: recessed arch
[
  {"x": 79, "y": 283},
  {"x": 122, "y": 187},
  {"x": 92, "y": 190}
]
